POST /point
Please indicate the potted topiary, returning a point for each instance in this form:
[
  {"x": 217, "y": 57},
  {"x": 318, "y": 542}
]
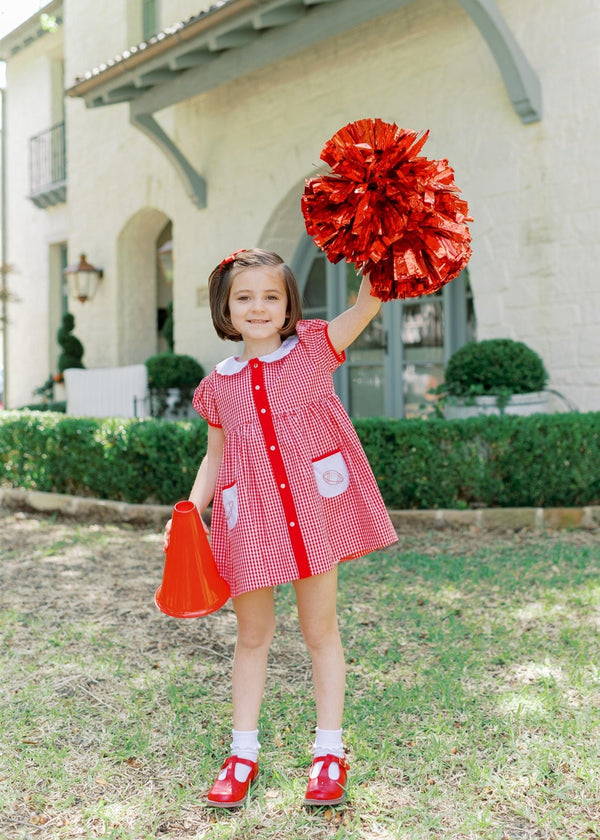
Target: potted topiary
[
  {"x": 172, "y": 379},
  {"x": 497, "y": 376},
  {"x": 52, "y": 391},
  {"x": 72, "y": 348}
]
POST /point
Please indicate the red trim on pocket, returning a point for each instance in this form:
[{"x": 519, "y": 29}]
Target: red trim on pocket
[{"x": 327, "y": 455}]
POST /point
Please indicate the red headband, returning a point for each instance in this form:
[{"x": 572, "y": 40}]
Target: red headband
[{"x": 228, "y": 260}]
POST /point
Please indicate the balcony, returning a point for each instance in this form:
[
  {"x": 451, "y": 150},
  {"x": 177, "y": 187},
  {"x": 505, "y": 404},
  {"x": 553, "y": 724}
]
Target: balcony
[{"x": 47, "y": 167}]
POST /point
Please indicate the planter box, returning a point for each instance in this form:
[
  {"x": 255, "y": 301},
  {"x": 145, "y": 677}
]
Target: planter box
[
  {"x": 522, "y": 404},
  {"x": 168, "y": 404},
  {"x": 59, "y": 393}
]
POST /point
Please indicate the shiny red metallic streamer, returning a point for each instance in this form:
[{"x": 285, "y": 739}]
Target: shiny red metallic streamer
[{"x": 394, "y": 214}]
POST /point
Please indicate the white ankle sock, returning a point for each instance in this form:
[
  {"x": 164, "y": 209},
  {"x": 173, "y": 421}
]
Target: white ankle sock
[
  {"x": 244, "y": 745},
  {"x": 328, "y": 741}
]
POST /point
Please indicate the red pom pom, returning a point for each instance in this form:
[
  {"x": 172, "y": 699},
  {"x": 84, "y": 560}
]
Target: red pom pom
[{"x": 394, "y": 214}]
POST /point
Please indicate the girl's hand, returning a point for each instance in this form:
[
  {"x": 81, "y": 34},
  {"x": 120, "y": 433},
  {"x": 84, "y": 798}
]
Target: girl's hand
[{"x": 167, "y": 532}]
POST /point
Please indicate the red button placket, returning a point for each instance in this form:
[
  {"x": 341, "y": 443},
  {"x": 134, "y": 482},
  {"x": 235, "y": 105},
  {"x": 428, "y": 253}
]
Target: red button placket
[{"x": 263, "y": 409}]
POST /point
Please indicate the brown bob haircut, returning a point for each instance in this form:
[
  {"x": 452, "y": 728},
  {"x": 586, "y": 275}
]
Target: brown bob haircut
[{"x": 219, "y": 286}]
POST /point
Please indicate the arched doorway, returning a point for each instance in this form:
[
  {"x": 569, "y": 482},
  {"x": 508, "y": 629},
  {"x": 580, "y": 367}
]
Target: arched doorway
[
  {"x": 143, "y": 284},
  {"x": 164, "y": 290},
  {"x": 401, "y": 355}
]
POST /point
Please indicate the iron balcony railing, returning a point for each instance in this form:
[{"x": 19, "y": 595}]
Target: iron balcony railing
[{"x": 47, "y": 167}]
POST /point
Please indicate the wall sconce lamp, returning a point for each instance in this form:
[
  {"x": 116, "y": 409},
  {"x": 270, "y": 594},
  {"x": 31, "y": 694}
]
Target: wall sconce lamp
[{"x": 83, "y": 279}]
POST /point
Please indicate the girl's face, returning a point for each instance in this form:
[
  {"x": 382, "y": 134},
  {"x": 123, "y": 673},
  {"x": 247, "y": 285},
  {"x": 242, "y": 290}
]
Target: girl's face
[{"x": 258, "y": 303}]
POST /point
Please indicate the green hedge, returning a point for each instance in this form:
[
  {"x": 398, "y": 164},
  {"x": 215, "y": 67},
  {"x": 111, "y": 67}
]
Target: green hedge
[
  {"x": 546, "y": 460},
  {"x": 130, "y": 460},
  {"x": 543, "y": 460}
]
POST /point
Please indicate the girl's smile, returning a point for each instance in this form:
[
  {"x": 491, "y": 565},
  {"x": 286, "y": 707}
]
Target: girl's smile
[{"x": 258, "y": 308}]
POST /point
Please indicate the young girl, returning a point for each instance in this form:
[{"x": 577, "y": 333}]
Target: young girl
[{"x": 293, "y": 496}]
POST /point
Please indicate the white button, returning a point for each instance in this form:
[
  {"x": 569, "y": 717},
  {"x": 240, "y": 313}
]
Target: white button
[
  {"x": 263, "y": 411},
  {"x": 255, "y": 365},
  {"x": 292, "y": 524},
  {"x": 257, "y": 387},
  {"x": 282, "y": 486},
  {"x": 272, "y": 448}
]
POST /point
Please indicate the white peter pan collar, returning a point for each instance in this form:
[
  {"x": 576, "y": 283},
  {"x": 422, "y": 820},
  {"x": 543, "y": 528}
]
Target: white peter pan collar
[{"x": 233, "y": 365}]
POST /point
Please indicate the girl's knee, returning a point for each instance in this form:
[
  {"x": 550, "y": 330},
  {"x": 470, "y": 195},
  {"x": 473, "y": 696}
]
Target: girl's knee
[
  {"x": 256, "y": 634},
  {"x": 255, "y": 613},
  {"x": 321, "y": 634}
]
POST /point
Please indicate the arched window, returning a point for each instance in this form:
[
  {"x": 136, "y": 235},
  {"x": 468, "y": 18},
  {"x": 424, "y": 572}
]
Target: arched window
[{"x": 401, "y": 355}]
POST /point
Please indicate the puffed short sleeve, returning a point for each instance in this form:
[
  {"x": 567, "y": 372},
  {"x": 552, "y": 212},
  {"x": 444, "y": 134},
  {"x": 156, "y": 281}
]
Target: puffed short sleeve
[
  {"x": 313, "y": 335},
  {"x": 205, "y": 403}
]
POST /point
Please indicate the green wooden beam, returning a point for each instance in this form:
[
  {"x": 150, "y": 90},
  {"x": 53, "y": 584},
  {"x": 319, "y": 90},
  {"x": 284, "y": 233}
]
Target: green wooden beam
[
  {"x": 522, "y": 83},
  {"x": 193, "y": 58},
  {"x": 193, "y": 182},
  {"x": 279, "y": 16}
]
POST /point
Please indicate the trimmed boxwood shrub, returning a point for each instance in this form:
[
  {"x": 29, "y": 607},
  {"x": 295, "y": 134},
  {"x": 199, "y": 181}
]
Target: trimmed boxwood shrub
[
  {"x": 497, "y": 366},
  {"x": 60, "y": 406},
  {"x": 541, "y": 461},
  {"x": 172, "y": 370},
  {"x": 72, "y": 348},
  {"x": 167, "y": 371}
]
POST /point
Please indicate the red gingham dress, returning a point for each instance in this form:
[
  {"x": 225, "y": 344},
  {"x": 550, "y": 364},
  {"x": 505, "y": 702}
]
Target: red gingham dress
[{"x": 295, "y": 493}]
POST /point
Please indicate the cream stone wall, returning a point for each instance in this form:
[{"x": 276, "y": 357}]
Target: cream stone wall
[
  {"x": 116, "y": 177},
  {"x": 107, "y": 190},
  {"x": 95, "y": 33},
  {"x": 531, "y": 188},
  {"x": 427, "y": 66},
  {"x": 540, "y": 210},
  {"x": 30, "y": 230}
]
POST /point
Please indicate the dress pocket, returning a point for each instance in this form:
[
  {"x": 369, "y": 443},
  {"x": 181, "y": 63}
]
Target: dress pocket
[
  {"x": 229, "y": 496},
  {"x": 331, "y": 474}
]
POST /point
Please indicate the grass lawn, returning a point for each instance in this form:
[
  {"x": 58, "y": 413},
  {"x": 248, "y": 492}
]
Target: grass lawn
[{"x": 473, "y": 705}]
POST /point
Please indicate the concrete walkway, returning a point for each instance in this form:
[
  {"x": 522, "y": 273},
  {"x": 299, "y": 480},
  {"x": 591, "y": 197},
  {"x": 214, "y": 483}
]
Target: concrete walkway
[{"x": 485, "y": 519}]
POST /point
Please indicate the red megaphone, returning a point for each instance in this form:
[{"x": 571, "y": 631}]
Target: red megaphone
[{"x": 191, "y": 585}]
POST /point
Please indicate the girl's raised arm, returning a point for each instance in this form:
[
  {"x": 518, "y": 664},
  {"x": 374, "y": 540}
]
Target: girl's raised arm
[{"x": 345, "y": 328}]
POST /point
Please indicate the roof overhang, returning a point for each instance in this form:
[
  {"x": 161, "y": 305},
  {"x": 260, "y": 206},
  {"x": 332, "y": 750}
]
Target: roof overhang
[
  {"x": 236, "y": 37},
  {"x": 30, "y": 30},
  {"x": 232, "y": 38}
]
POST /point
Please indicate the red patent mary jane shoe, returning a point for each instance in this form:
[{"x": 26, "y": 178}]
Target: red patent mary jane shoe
[
  {"x": 227, "y": 791},
  {"x": 322, "y": 788}
]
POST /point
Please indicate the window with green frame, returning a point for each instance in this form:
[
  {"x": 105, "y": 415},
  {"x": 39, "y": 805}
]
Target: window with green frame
[
  {"x": 394, "y": 365},
  {"x": 150, "y": 18}
]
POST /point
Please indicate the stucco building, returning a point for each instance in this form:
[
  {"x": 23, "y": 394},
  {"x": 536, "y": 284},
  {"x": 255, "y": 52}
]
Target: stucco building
[{"x": 133, "y": 125}]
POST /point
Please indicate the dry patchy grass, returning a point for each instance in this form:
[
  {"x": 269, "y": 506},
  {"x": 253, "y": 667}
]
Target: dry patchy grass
[{"x": 472, "y": 711}]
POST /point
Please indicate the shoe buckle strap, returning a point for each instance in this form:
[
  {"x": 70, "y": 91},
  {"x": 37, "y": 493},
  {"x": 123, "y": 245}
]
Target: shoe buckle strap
[
  {"x": 331, "y": 759},
  {"x": 229, "y": 763}
]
